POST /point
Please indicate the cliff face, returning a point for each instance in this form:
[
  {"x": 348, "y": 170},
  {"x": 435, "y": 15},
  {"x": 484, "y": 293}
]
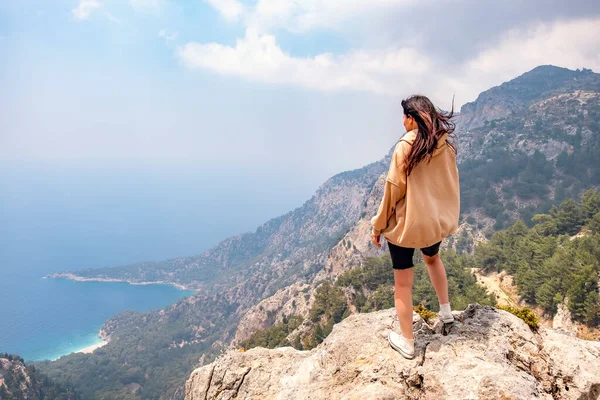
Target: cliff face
[
  {"x": 24, "y": 386},
  {"x": 518, "y": 94},
  {"x": 19, "y": 381},
  {"x": 296, "y": 299},
  {"x": 486, "y": 354}
]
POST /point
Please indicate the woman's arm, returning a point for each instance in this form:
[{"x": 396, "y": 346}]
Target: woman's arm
[{"x": 394, "y": 189}]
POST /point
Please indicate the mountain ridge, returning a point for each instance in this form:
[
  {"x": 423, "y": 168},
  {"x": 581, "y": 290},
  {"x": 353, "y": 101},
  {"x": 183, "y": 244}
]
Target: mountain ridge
[
  {"x": 522, "y": 91},
  {"x": 317, "y": 242}
]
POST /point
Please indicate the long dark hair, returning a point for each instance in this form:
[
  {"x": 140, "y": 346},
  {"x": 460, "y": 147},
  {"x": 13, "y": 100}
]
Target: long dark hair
[{"x": 432, "y": 123}]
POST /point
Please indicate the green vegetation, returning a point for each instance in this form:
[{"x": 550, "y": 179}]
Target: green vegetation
[
  {"x": 330, "y": 307},
  {"x": 425, "y": 313},
  {"x": 548, "y": 264},
  {"x": 274, "y": 336},
  {"x": 371, "y": 288},
  {"x": 369, "y": 284},
  {"x": 21, "y": 381},
  {"x": 150, "y": 355},
  {"x": 524, "y": 176},
  {"x": 536, "y": 155},
  {"x": 524, "y": 313}
]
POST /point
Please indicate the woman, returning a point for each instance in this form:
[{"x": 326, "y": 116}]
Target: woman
[{"x": 420, "y": 207}]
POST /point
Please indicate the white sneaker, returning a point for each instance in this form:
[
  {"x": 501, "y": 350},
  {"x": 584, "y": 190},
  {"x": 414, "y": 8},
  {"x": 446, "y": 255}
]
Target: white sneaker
[
  {"x": 446, "y": 318},
  {"x": 402, "y": 345}
]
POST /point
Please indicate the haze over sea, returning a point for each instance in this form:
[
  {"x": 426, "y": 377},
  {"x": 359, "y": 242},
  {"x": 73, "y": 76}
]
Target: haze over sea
[{"x": 69, "y": 217}]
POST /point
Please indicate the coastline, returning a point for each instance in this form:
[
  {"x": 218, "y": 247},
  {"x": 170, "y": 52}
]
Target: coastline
[
  {"x": 74, "y": 277},
  {"x": 92, "y": 348},
  {"x": 101, "y": 335}
]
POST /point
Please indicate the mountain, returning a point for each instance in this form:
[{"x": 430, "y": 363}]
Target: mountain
[
  {"x": 510, "y": 169},
  {"x": 486, "y": 354},
  {"x": 522, "y": 147},
  {"x": 286, "y": 250},
  {"x": 543, "y": 82},
  {"x": 279, "y": 252},
  {"x": 19, "y": 381},
  {"x": 525, "y": 145}
]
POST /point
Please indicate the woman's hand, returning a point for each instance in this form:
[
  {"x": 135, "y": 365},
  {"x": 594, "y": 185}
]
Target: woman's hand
[{"x": 375, "y": 240}]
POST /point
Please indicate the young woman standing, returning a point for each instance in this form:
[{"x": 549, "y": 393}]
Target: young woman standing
[{"x": 420, "y": 207}]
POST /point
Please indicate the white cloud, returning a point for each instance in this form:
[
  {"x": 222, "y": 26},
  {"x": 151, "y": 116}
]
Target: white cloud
[
  {"x": 571, "y": 44},
  {"x": 85, "y": 9},
  {"x": 403, "y": 70},
  {"x": 230, "y": 9},
  {"x": 168, "y": 36},
  {"x": 259, "y": 58}
]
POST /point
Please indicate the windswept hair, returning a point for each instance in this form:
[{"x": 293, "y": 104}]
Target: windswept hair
[{"x": 432, "y": 123}]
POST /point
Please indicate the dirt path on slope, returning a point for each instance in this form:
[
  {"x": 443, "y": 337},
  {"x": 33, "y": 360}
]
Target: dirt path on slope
[{"x": 496, "y": 283}]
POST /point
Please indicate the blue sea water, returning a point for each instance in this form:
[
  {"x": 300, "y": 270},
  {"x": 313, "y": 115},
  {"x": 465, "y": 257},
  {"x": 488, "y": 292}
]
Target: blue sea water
[
  {"x": 47, "y": 318},
  {"x": 60, "y": 218}
]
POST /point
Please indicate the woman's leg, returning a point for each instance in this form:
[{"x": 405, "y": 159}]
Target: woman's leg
[
  {"x": 403, "y": 283},
  {"x": 437, "y": 274}
]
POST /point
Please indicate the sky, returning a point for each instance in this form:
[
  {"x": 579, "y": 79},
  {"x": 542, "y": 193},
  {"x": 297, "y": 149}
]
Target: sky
[{"x": 307, "y": 87}]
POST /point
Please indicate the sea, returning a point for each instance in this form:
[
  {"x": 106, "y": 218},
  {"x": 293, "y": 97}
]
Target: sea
[{"x": 56, "y": 217}]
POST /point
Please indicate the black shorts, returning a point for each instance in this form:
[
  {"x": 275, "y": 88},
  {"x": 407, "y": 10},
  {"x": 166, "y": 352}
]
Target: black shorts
[{"x": 402, "y": 257}]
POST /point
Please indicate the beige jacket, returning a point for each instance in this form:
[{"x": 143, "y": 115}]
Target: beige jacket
[{"x": 423, "y": 209}]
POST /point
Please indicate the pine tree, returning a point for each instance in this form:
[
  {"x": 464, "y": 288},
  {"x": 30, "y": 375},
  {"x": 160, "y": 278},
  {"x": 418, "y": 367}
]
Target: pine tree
[
  {"x": 592, "y": 309},
  {"x": 590, "y": 202},
  {"x": 526, "y": 283},
  {"x": 546, "y": 295},
  {"x": 570, "y": 217},
  {"x": 583, "y": 283},
  {"x": 545, "y": 224},
  {"x": 594, "y": 223}
]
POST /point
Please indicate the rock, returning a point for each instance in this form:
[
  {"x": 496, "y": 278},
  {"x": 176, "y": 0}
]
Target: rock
[
  {"x": 486, "y": 354},
  {"x": 562, "y": 320},
  {"x": 295, "y": 299}
]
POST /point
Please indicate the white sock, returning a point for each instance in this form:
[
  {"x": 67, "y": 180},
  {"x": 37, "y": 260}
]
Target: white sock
[
  {"x": 445, "y": 308},
  {"x": 409, "y": 340}
]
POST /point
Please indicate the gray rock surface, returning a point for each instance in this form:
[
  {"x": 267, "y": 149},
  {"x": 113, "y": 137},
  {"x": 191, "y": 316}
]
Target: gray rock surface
[
  {"x": 562, "y": 320},
  {"x": 486, "y": 354}
]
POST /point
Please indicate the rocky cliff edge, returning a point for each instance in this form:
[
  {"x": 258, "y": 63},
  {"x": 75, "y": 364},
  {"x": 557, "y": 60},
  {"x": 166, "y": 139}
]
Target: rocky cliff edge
[{"x": 486, "y": 354}]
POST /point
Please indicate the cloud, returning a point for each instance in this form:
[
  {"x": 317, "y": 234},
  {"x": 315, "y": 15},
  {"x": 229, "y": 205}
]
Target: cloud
[
  {"x": 168, "y": 37},
  {"x": 257, "y": 57},
  {"x": 403, "y": 70},
  {"x": 85, "y": 9},
  {"x": 229, "y": 9},
  {"x": 572, "y": 44}
]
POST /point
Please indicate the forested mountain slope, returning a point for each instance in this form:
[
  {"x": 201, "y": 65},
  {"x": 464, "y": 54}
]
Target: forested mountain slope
[{"x": 542, "y": 145}]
